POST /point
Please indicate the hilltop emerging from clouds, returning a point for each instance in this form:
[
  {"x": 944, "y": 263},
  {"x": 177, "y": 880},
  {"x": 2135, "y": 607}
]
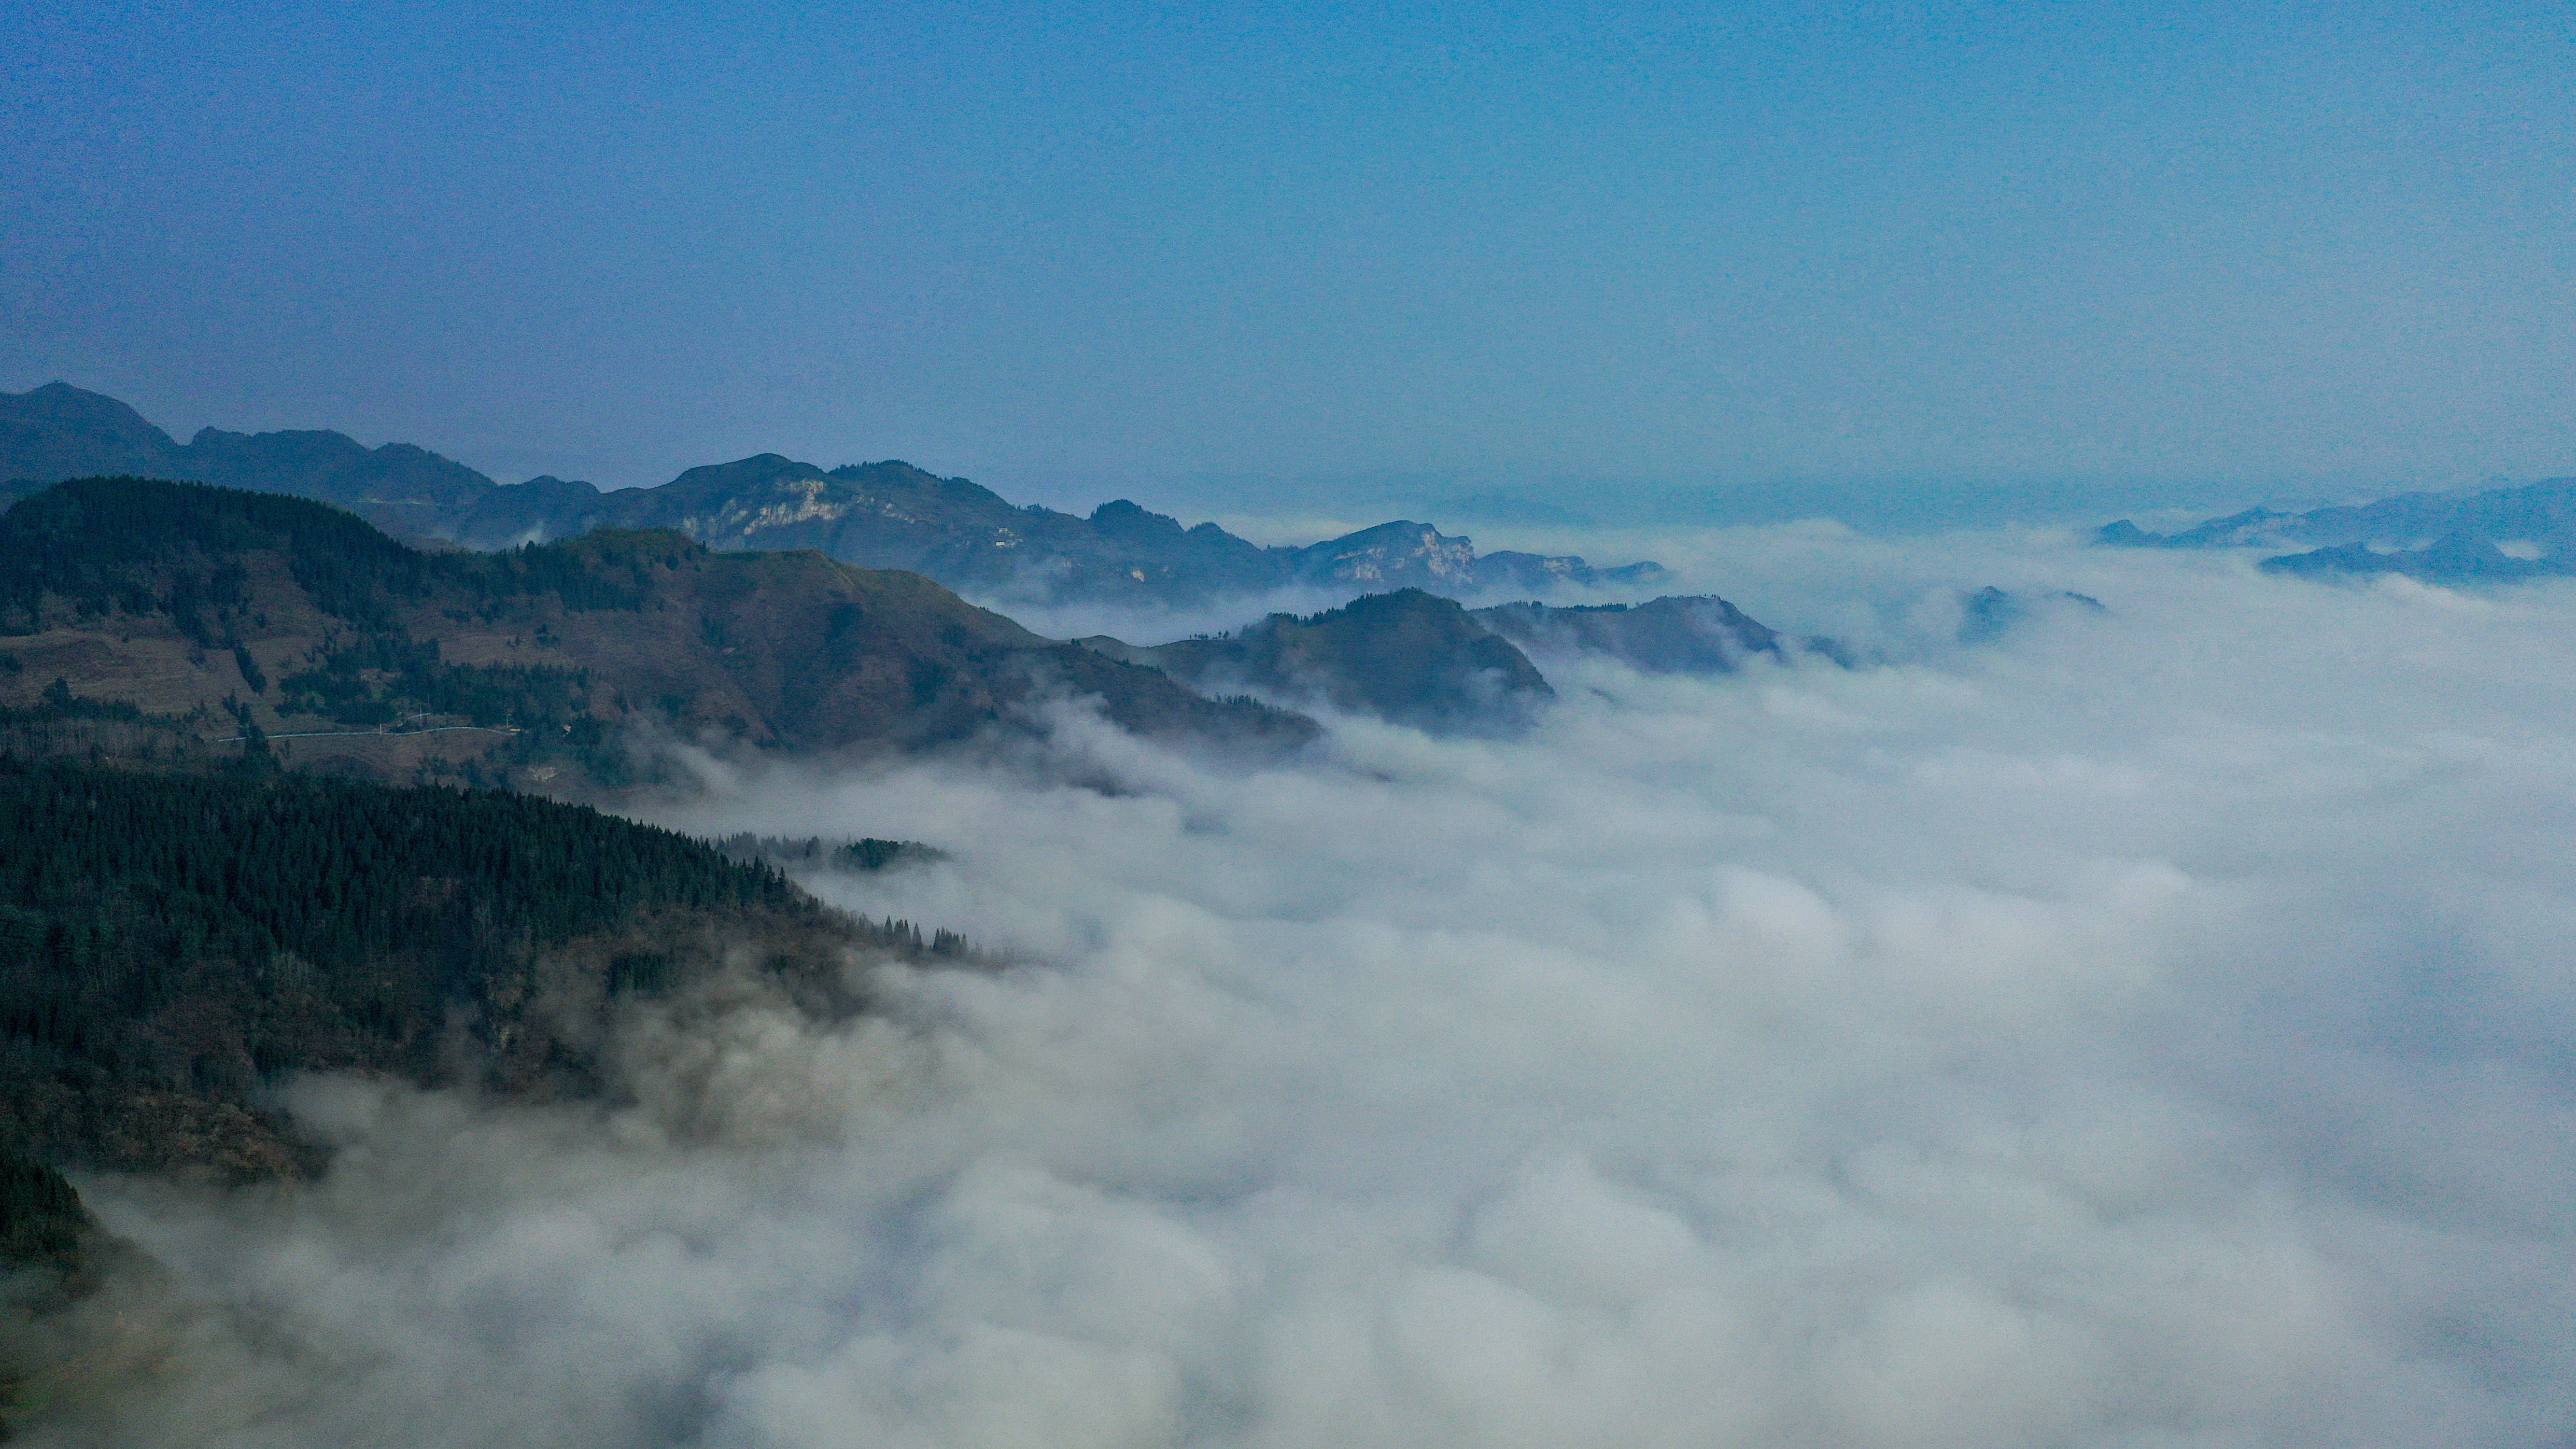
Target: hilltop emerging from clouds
[{"x": 2498, "y": 536}]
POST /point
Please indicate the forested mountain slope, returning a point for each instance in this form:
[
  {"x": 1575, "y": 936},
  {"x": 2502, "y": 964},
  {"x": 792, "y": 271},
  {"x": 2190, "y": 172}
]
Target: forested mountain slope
[
  {"x": 174, "y": 947},
  {"x": 170, "y": 942},
  {"x": 219, "y": 614}
]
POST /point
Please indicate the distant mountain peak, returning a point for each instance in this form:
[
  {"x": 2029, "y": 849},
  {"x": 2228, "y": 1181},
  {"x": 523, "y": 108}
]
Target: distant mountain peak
[
  {"x": 1391, "y": 554},
  {"x": 886, "y": 514},
  {"x": 58, "y": 431},
  {"x": 2499, "y": 535},
  {"x": 62, "y": 400},
  {"x": 1121, "y": 518},
  {"x": 1407, "y": 655},
  {"x": 756, "y": 469}
]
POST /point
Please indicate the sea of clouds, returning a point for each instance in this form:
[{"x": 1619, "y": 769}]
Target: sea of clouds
[{"x": 2148, "y": 1029}]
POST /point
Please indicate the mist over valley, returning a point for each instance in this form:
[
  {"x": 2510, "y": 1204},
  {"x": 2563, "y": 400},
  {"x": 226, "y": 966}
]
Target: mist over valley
[
  {"x": 2055, "y": 1012},
  {"x": 1103, "y": 726}
]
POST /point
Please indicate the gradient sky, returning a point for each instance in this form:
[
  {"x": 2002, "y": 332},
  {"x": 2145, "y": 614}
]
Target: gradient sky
[{"x": 1078, "y": 250}]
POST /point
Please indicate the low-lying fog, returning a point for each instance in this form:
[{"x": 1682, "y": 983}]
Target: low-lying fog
[{"x": 2148, "y": 1029}]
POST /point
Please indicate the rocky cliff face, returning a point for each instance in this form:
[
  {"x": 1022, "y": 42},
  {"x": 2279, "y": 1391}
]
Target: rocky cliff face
[{"x": 1407, "y": 555}]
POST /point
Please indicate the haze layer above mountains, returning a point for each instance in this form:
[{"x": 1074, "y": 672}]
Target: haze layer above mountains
[
  {"x": 2497, "y": 536},
  {"x": 886, "y": 515}
]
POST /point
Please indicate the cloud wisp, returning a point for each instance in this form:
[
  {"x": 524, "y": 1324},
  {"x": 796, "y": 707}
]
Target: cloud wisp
[{"x": 2150, "y": 1029}]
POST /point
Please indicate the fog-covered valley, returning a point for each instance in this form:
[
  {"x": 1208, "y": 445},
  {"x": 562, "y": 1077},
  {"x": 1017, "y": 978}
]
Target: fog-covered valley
[{"x": 2136, "y": 1027}]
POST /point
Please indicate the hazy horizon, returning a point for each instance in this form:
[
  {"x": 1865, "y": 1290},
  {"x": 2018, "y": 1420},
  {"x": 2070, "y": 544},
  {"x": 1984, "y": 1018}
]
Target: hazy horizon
[
  {"x": 1549, "y": 511},
  {"x": 1910, "y": 263}
]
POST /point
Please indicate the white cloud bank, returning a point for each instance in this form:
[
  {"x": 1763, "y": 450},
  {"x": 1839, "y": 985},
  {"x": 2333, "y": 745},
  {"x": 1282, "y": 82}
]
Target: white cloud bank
[{"x": 2153, "y": 1030}]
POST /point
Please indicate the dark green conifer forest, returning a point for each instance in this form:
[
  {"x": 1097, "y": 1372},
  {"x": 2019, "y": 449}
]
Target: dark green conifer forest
[
  {"x": 171, "y": 943},
  {"x": 187, "y": 922}
]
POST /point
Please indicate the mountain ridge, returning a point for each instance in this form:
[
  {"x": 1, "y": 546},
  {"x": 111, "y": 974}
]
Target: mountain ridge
[
  {"x": 1408, "y": 656},
  {"x": 1676, "y": 634},
  {"x": 2498, "y": 535},
  {"x": 1417, "y": 658},
  {"x": 232, "y": 617},
  {"x": 879, "y": 515}
]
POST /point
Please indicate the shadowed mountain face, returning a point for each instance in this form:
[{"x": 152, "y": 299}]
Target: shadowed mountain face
[
  {"x": 887, "y": 515},
  {"x": 226, "y": 614},
  {"x": 1408, "y": 656},
  {"x": 1700, "y": 634},
  {"x": 1415, "y": 658},
  {"x": 57, "y": 432},
  {"x": 2496, "y": 536}
]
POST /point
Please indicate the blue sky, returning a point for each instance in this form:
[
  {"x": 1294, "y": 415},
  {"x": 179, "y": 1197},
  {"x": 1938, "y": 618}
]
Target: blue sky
[{"x": 1745, "y": 255}]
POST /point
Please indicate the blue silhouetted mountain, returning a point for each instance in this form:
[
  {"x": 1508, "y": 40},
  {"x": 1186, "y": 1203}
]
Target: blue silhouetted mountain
[
  {"x": 1989, "y": 613},
  {"x": 887, "y": 515},
  {"x": 2454, "y": 559},
  {"x": 2254, "y": 526},
  {"x": 2500, "y": 535},
  {"x": 57, "y": 432}
]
